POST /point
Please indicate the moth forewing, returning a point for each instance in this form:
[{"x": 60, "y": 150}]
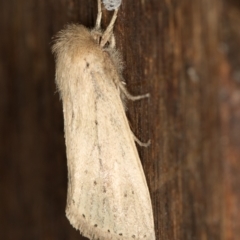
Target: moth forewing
[{"x": 108, "y": 197}]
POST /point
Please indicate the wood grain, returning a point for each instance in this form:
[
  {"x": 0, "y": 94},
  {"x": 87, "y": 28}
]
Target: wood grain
[{"x": 186, "y": 55}]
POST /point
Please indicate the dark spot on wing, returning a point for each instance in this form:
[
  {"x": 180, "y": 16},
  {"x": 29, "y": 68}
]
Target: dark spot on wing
[
  {"x": 133, "y": 236},
  {"x": 120, "y": 234},
  {"x": 95, "y": 183},
  {"x": 100, "y": 162},
  {"x": 108, "y": 230},
  {"x": 87, "y": 64},
  {"x": 83, "y": 215},
  {"x": 95, "y": 225}
]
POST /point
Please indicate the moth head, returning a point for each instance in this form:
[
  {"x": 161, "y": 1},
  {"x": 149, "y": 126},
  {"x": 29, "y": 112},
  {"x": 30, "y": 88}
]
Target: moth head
[
  {"x": 99, "y": 38},
  {"x": 97, "y": 35}
]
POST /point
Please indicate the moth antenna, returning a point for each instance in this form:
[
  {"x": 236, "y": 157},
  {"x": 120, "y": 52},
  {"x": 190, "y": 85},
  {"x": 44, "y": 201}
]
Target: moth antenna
[
  {"x": 99, "y": 15},
  {"x": 109, "y": 31},
  {"x": 112, "y": 42}
]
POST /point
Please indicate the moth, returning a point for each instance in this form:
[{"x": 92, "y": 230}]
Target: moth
[{"x": 108, "y": 197}]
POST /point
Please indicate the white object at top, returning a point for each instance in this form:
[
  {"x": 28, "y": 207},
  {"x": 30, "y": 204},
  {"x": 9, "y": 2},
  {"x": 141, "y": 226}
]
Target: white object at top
[{"x": 112, "y": 4}]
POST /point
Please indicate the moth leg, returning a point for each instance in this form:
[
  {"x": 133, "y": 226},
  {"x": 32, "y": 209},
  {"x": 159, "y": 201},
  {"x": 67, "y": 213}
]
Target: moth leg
[
  {"x": 99, "y": 15},
  {"x": 109, "y": 31},
  {"x": 140, "y": 143},
  {"x": 130, "y": 96}
]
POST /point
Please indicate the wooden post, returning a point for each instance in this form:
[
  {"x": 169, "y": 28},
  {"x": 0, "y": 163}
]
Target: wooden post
[{"x": 186, "y": 55}]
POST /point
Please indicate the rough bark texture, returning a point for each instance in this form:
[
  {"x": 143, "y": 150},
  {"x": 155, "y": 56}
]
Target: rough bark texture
[{"x": 186, "y": 55}]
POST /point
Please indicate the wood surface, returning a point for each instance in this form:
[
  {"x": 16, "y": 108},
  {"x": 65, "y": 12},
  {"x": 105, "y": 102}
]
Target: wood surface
[{"x": 186, "y": 55}]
